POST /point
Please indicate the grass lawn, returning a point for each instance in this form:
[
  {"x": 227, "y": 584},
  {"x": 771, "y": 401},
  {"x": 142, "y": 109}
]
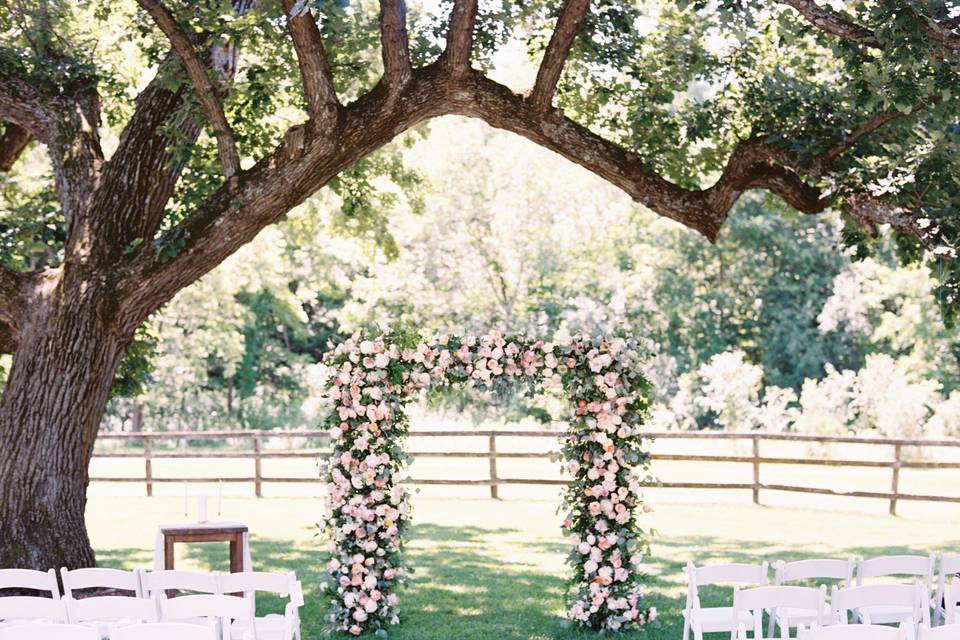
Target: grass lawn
[{"x": 495, "y": 570}]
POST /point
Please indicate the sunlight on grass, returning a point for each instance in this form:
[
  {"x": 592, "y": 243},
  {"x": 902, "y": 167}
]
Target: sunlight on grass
[{"x": 487, "y": 570}]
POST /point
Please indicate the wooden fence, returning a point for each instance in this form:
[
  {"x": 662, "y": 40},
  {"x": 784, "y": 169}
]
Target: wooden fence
[{"x": 256, "y": 454}]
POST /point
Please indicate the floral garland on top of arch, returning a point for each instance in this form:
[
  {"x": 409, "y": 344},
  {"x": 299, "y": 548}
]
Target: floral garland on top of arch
[{"x": 367, "y": 509}]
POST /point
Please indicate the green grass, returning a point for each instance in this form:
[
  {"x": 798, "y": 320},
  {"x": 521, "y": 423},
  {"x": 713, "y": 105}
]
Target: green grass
[{"x": 494, "y": 570}]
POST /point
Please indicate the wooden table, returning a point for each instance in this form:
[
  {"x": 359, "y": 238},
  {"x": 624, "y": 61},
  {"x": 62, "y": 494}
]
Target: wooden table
[{"x": 231, "y": 532}]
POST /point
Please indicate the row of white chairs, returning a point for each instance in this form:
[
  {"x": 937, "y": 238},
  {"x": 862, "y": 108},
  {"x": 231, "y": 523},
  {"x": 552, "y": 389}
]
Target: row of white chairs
[
  {"x": 888, "y": 604},
  {"x": 875, "y": 632},
  {"x": 123, "y": 617},
  {"x": 149, "y": 631},
  {"x": 149, "y": 590}
]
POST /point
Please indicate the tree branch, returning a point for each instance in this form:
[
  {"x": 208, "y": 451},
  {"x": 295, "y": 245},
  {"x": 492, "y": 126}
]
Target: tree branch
[
  {"x": 940, "y": 32},
  {"x": 834, "y": 23},
  {"x": 751, "y": 165},
  {"x": 460, "y": 37},
  {"x": 837, "y": 24},
  {"x": 872, "y": 212},
  {"x": 201, "y": 84},
  {"x": 318, "y": 87},
  {"x": 12, "y": 143},
  {"x": 394, "y": 42},
  {"x": 819, "y": 164},
  {"x": 139, "y": 180},
  {"x": 569, "y": 23},
  {"x": 23, "y": 105},
  {"x": 66, "y": 120}
]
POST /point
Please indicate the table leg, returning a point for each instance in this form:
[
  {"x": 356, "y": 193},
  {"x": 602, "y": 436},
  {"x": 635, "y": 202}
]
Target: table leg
[
  {"x": 168, "y": 542},
  {"x": 236, "y": 554},
  {"x": 168, "y": 552},
  {"x": 236, "y": 557}
]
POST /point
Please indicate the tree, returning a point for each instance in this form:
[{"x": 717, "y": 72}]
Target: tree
[
  {"x": 759, "y": 289},
  {"x": 822, "y": 109}
]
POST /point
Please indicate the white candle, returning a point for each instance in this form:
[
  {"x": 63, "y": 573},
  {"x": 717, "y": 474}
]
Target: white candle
[{"x": 201, "y": 509}]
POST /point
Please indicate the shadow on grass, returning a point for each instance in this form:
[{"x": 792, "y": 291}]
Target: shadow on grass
[{"x": 462, "y": 590}]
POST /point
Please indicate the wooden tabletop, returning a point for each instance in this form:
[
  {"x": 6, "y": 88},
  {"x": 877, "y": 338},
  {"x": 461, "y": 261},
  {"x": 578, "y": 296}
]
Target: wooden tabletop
[{"x": 197, "y": 528}]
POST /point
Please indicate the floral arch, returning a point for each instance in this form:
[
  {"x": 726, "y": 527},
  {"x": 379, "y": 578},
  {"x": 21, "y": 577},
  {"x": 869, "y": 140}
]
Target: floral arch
[{"x": 367, "y": 509}]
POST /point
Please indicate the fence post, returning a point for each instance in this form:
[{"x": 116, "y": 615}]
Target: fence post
[
  {"x": 257, "y": 470},
  {"x": 895, "y": 486},
  {"x": 756, "y": 469},
  {"x": 494, "y": 488},
  {"x": 148, "y": 465}
]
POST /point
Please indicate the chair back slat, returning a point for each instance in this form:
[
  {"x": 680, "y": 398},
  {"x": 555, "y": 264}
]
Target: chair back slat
[
  {"x": 206, "y": 606},
  {"x": 157, "y": 582},
  {"x": 950, "y": 563},
  {"x": 45, "y": 581},
  {"x": 103, "y": 608},
  {"x": 873, "y": 595},
  {"x": 165, "y": 631},
  {"x": 99, "y": 578},
  {"x": 731, "y": 573},
  {"x": 280, "y": 584},
  {"x": 897, "y": 566},
  {"x": 783, "y": 596},
  {"x": 44, "y": 631},
  {"x": 32, "y": 608},
  {"x": 816, "y": 569}
]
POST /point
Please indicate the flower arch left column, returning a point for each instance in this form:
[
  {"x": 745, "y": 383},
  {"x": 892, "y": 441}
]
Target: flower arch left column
[{"x": 366, "y": 511}]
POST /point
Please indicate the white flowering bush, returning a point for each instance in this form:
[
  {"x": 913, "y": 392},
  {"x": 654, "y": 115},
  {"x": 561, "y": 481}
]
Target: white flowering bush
[{"x": 367, "y": 509}]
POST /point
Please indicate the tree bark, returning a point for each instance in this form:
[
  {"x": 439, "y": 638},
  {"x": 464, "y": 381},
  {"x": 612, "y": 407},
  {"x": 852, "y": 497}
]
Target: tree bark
[{"x": 49, "y": 416}]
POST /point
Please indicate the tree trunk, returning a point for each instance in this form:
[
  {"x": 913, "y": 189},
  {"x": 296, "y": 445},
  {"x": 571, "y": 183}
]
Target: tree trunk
[
  {"x": 49, "y": 416},
  {"x": 136, "y": 422}
]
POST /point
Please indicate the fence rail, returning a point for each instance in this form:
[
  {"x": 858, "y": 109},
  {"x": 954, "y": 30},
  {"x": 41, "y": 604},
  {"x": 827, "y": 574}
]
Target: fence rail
[{"x": 257, "y": 454}]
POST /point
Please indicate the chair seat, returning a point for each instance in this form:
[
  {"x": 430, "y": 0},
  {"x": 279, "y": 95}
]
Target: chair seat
[
  {"x": 270, "y": 627},
  {"x": 712, "y": 619},
  {"x": 886, "y": 614},
  {"x": 793, "y": 617}
]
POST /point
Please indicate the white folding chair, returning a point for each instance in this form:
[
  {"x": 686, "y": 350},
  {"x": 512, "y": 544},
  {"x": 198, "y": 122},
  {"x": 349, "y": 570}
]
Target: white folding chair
[
  {"x": 108, "y": 613},
  {"x": 46, "y": 631},
  {"x": 157, "y": 583},
  {"x": 164, "y": 631},
  {"x": 947, "y": 632},
  {"x": 884, "y": 600},
  {"x": 273, "y": 626},
  {"x": 44, "y": 581},
  {"x": 98, "y": 578},
  {"x": 817, "y": 569},
  {"x": 221, "y": 611},
  {"x": 886, "y": 566},
  {"x": 949, "y": 569},
  {"x": 855, "y": 632},
  {"x": 755, "y": 601},
  {"x": 699, "y": 619},
  {"x": 18, "y": 609}
]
